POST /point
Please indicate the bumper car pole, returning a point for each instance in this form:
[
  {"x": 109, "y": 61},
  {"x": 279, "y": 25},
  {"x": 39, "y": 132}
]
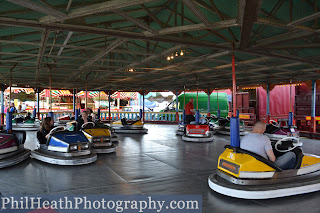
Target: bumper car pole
[
  {"x": 99, "y": 106},
  {"x": 34, "y": 114},
  {"x": 74, "y": 105},
  {"x": 76, "y": 114},
  {"x": 268, "y": 103},
  {"x": 290, "y": 118},
  {"x": 184, "y": 104},
  {"x": 143, "y": 106},
  {"x": 38, "y": 103},
  {"x": 9, "y": 122},
  {"x": 197, "y": 111},
  {"x": 50, "y": 113},
  {"x": 109, "y": 100},
  {"x": 208, "y": 104},
  {"x": 177, "y": 108},
  {"x": 140, "y": 113},
  {"x": 234, "y": 121},
  {"x": 2, "y": 104},
  {"x": 218, "y": 110},
  {"x": 313, "y": 106},
  {"x": 197, "y": 116}
]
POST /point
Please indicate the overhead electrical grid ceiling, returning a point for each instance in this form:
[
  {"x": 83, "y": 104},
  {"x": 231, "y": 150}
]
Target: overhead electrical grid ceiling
[{"x": 157, "y": 44}]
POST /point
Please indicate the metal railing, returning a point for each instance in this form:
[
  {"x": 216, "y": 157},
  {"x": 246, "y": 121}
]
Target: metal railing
[
  {"x": 104, "y": 115},
  {"x": 149, "y": 116}
]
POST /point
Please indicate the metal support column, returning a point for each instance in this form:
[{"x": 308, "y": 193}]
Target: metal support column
[
  {"x": 143, "y": 115},
  {"x": 9, "y": 122},
  {"x": 313, "y": 106},
  {"x": 2, "y": 104},
  {"x": 218, "y": 110},
  {"x": 184, "y": 105},
  {"x": 98, "y": 113},
  {"x": 208, "y": 105},
  {"x": 109, "y": 105},
  {"x": 38, "y": 102},
  {"x": 74, "y": 101},
  {"x": 177, "y": 106},
  {"x": 290, "y": 118},
  {"x": 268, "y": 103},
  {"x": 197, "y": 111},
  {"x": 234, "y": 120}
]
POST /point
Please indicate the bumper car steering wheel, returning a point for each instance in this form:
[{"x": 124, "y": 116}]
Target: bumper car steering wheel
[
  {"x": 86, "y": 124},
  {"x": 57, "y": 129},
  {"x": 294, "y": 143},
  {"x": 274, "y": 123}
]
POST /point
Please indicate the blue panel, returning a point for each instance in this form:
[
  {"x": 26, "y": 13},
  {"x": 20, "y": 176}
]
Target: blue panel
[
  {"x": 34, "y": 112},
  {"x": 234, "y": 132},
  {"x": 268, "y": 99},
  {"x": 197, "y": 116},
  {"x": 71, "y": 137},
  {"x": 98, "y": 113},
  {"x": 76, "y": 115},
  {"x": 313, "y": 99},
  {"x": 218, "y": 113},
  {"x": 9, "y": 121},
  {"x": 184, "y": 116},
  {"x": 290, "y": 121},
  {"x": 55, "y": 142}
]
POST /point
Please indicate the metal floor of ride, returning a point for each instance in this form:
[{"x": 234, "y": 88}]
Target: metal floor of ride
[{"x": 155, "y": 163}]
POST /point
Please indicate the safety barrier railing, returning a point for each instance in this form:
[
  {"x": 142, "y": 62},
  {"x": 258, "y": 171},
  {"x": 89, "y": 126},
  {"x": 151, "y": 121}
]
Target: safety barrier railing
[{"x": 149, "y": 116}]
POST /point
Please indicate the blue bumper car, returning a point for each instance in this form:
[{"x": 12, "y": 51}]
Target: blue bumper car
[{"x": 64, "y": 148}]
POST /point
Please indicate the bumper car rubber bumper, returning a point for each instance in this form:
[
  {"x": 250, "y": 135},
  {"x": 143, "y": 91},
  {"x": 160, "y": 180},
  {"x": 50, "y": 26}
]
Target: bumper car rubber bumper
[
  {"x": 14, "y": 158},
  {"x": 45, "y": 156},
  {"x": 198, "y": 139},
  {"x": 124, "y": 130},
  {"x": 104, "y": 149},
  {"x": 289, "y": 188}
]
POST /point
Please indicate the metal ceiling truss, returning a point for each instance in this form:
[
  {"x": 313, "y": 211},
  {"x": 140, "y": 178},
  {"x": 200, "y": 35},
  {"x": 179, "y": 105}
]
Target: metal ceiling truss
[{"x": 103, "y": 56}]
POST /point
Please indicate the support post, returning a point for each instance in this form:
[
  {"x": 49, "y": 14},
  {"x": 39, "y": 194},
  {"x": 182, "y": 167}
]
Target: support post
[
  {"x": 9, "y": 122},
  {"x": 313, "y": 106},
  {"x": 184, "y": 116},
  {"x": 2, "y": 104},
  {"x": 234, "y": 121},
  {"x": 98, "y": 113},
  {"x": 177, "y": 106},
  {"x": 86, "y": 103},
  {"x": 51, "y": 114},
  {"x": 184, "y": 105},
  {"x": 268, "y": 103},
  {"x": 218, "y": 110},
  {"x": 197, "y": 116},
  {"x": 208, "y": 105},
  {"x": 234, "y": 132},
  {"x": 76, "y": 114},
  {"x": 34, "y": 114},
  {"x": 74, "y": 101},
  {"x": 38, "y": 102},
  {"x": 290, "y": 117},
  {"x": 109, "y": 105},
  {"x": 143, "y": 115},
  {"x": 99, "y": 105}
]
